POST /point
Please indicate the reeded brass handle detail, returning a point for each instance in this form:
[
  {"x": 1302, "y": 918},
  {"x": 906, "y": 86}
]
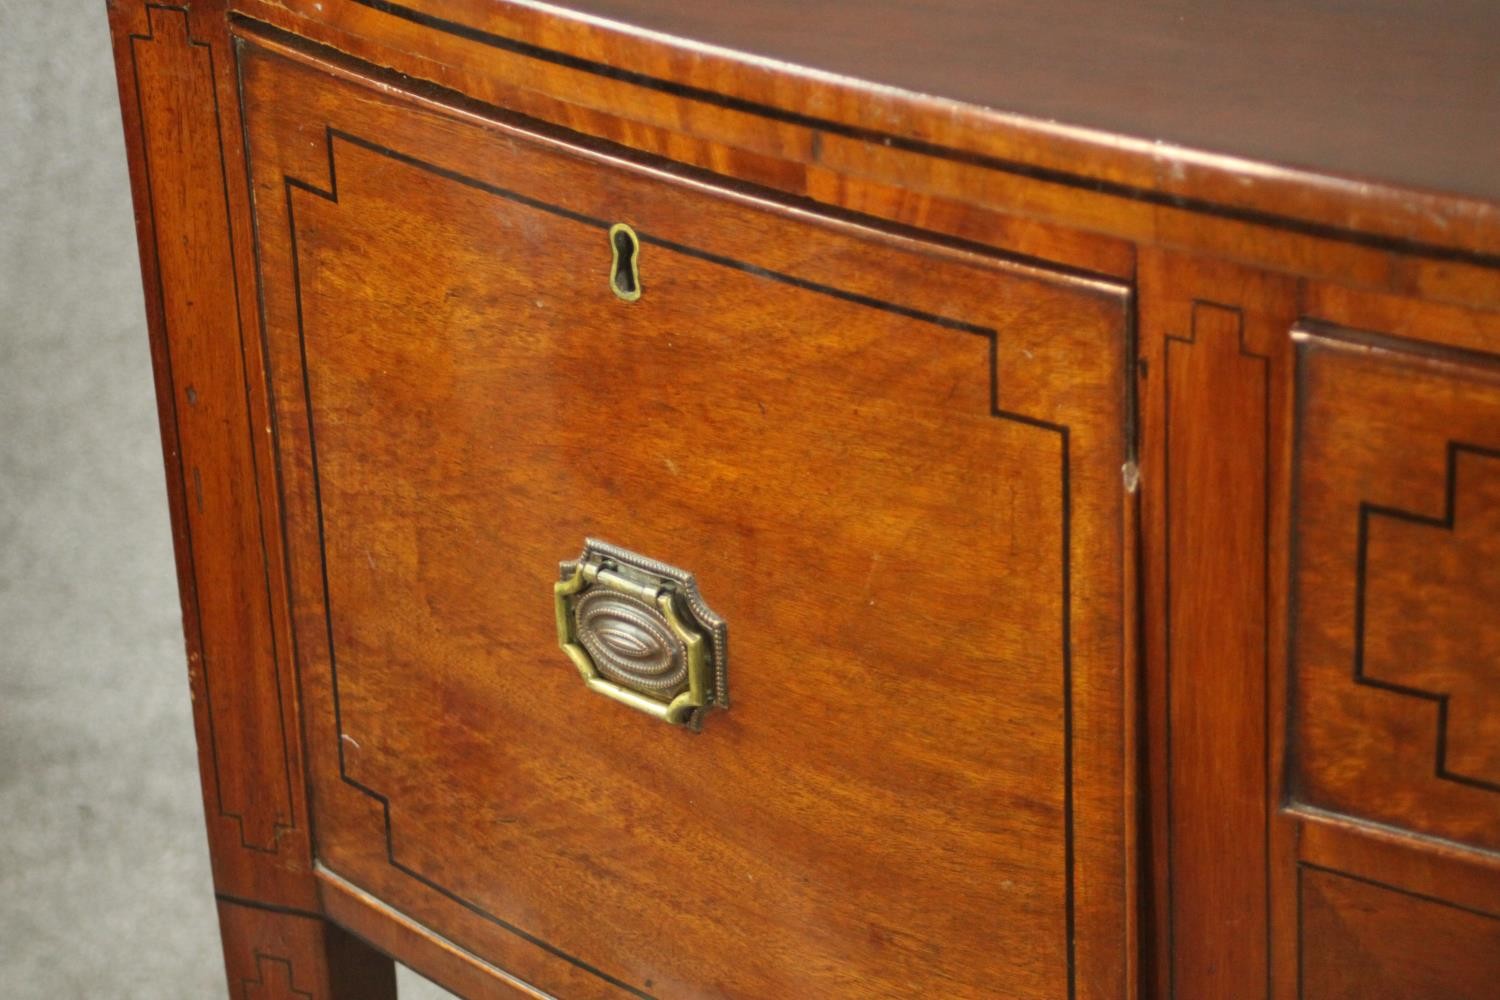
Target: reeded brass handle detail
[{"x": 638, "y": 632}]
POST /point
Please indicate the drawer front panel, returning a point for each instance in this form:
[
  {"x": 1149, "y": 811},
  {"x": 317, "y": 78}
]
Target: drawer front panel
[
  {"x": 1396, "y": 641},
  {"x": 893, "y": 469},
  {"x": 1361, "y": 940}
]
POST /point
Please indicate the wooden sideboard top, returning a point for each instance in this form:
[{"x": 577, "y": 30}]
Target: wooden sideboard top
[
  {"x": 1372, "y": 116},
  {"x": 1401, "y": 92}
]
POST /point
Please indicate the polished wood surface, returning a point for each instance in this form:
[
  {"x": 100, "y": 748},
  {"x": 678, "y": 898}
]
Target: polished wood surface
[
  {"x": 1210, "y": 337},
  {"x": 173, "y": 68},
  {"x": 895, "y": 471},
  {"x": 181, "y": 126},
  {"x": 1403, "y": 93},
  {"x": 1397, "y": 645},
  {"x": 548, "y": 62},
  {"x": 1368, "y": 941},
  {"x": 279, "y": 954},
  {"x": 1252, "y": 742}
]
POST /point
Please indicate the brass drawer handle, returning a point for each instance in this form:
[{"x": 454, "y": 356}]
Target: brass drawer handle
[{"x": 639, "y": 632}]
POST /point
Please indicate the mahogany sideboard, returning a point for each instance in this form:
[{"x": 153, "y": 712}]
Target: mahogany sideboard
[{"x": 859, "y": 499}]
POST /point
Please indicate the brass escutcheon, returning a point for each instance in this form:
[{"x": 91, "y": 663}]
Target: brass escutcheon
[{"x": 625, "y": 262}]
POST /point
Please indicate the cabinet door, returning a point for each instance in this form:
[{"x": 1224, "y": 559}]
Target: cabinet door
[
  {"x": 892, "y": 468},
  {"x": 1394, "y": 745}
]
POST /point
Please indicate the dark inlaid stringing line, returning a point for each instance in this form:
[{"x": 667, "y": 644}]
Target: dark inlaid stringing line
[
  {"x": 1133, "y": 628},
  {"x": 331, "y": 195},
  {"x": 449, "y": 100},
  {"x": 1166, "y": 612},
  {"x": 260, "y": 516},
  {"x": 1376, "y": 883},
  {"x": 239, "y": 818},
  {"x": 291, "y": 974},
  {"x": 273, "y": 415},
  {"x": 255, "y": 904},
  {"x": 1265, "y": 479},
  {"x": 1265, "y": 643},
  {"x": 704, "y": 255},
  {"x": 1445, "y": 521},
  {"x": 1192, "y": 340},
  {"x": 1303, "y": 866},
  {"x": 1046, "y": 174},
  {"x": 1069, "y": 915}
]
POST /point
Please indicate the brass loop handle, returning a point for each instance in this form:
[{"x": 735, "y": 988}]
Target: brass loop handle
[{"x": 639, "y": 633}]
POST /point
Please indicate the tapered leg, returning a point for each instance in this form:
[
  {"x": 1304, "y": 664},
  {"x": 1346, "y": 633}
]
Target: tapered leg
[
  {"x": 179, "y": 107},
  {"x": 287, "y": 955}
]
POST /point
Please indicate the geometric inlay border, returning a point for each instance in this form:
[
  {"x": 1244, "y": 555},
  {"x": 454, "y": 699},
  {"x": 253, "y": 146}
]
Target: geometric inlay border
[
  {"x": 1199, "y": 337},
  {"x": 292, "y": 184},
  {"x": 923, "y": 147},
  {"x": 207, "y": 670},
  {"x": 262, "y": 980},
  {"x": 1445, "y": 521}
]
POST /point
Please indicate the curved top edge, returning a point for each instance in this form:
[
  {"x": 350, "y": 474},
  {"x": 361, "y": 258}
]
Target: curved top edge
[{"x": 755, "y": 69}]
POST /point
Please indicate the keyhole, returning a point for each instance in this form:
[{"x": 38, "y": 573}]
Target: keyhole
[
  {"x": 624, "y": 271},
  {"x": 624, "y": 263}
]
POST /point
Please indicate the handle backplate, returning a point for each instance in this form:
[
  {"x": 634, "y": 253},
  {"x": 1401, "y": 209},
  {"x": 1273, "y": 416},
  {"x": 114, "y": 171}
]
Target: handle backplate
[{"x": 639, "y": 633}]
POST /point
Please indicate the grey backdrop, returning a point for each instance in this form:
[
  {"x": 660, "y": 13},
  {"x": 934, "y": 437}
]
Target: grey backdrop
[{"x": 104, "y": 882}]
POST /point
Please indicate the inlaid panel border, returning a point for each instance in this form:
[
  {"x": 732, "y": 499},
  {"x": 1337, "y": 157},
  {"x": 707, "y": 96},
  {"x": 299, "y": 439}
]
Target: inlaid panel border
[
  {"x": 262, "y": 960},
  {"x": 291, "y": 184},
  {"x": 1308, "y": 866},
  {"x": 1311, "y": 331},
  {"x": 1444, "y": 521},
  {"x": 1198, "y": 338},
  {"x": 920, "y": 147},
  {"x": 285, "y": 816},
  {"x": 1317, "y": 835}
]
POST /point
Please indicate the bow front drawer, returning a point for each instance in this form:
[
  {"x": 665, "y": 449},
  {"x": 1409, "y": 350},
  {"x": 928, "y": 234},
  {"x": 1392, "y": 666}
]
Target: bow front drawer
[{"x": 693, "y": 595}]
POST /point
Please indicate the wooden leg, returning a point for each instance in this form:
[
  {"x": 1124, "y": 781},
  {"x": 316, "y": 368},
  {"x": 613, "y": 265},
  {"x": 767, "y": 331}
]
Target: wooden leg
[
  {"x": 180, "y": 108},
  {"x": 179, "y": 102},
  {"x": 279, "y": 954}
]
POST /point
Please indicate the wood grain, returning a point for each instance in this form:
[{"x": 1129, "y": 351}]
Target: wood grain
[
  {"x": 1394, "y": 657},
  {"x": 1388, "y": 92},
  {"x": 924, "y": 629},
  {"x": 1464, "y": 876},
  {"x": 1363, "y": 940},
  {"x": 188, "y": 187},
  {"x": 279, "y": 954},
  {"x": 904, "y": 358},
  {"x": 594, "y": 63},
  {"x": 1211, "y": 339},
  {"x": 445, "y": 963}
]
